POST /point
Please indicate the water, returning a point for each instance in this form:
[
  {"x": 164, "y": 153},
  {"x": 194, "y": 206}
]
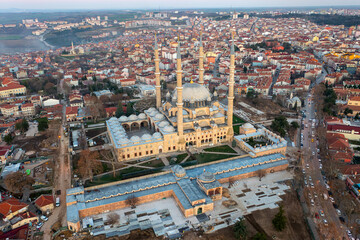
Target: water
[{"x": 22, "y": 46}]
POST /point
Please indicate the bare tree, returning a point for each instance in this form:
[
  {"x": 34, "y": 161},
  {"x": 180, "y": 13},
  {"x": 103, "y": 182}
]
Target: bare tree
[
  {"x": 17, "y": 181},
  {"x": 113, "y": 218},
  {"x": 261, "y": 173},
  {"x": 88, "y": 164},
  {"x": 132, "y": 201}
]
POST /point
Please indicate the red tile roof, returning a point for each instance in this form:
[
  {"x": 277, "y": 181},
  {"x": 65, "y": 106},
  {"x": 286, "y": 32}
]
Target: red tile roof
[
  {"x": 44, "y": 200},
  {"x": 11, "y": 205}
]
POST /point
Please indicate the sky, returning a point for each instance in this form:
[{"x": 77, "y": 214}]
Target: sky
[{"x": 164, "y": 4}]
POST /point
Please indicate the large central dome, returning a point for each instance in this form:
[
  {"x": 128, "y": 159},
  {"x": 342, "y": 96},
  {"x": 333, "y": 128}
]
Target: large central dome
[{"x": 194, "y": 91}]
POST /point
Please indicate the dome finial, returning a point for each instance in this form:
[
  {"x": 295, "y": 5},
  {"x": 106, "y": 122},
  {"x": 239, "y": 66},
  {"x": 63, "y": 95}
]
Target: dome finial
[{"x": 191, "y": 80}]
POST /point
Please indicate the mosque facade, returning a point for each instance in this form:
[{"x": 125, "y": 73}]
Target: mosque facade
[{"x": 190, "y": 116}]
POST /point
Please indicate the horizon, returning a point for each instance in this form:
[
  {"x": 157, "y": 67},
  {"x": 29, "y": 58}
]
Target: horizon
[{"x": 107, "y": 5}]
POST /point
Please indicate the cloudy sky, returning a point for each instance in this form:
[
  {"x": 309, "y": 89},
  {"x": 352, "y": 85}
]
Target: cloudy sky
[{"x": 163, "y": 4}]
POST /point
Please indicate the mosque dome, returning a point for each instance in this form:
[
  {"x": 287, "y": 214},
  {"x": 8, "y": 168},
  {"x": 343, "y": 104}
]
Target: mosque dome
[
  {"x": 247, "y": 126},
  {"x": 142, "y": 116},
  {"x": 179, "y": 171},
  {"x": 159, "y": 116},
  {"x": 169, "y": 129},
  {"x": 163, "y": 124},
  {"x": 123, "y": 119},
  {"x": 194, "y": 90},
  {"x": 206, "y": 177},
  {"x": 146, "y": 137},
  {"x": 157, "y": 135},
  {"x": 123, "y": 141},
  {"x": 133, "y": 117},
  {"x": 135, "y": 139}
]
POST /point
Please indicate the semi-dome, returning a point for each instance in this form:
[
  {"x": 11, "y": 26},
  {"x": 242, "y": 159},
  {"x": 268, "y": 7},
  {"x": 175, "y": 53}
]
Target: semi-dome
[
  {"x": 179, "y": 171},
  {"x": 123, "y": 141},
  {"x": 142, "y": 116},
  {"x": 133, "y": 117},
  {"x": 135, "y": 139},
  {"x": 113, "y": 119},
  {"x": 123, "y": 119},
  {"x": 153, "y": 113},
  {"x": 196, "y": 91},
  {"x": 206, "y": 177}
]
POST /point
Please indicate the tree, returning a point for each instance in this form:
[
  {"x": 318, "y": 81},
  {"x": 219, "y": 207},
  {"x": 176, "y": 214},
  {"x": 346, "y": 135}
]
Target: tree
[
  {"x": 280, "y": 125},
  {"x": 17, "y": 181},
  {"x": 294, "y": 125},
  {"x": 113, "y": 218},
  {"x": 261, "y": 173},
  {"x": 259, "y": 236},
  {"x": 88, "y": 164},
  {"x": 279, "y": 221},
  {"x": 42, "y": 124},
  {"x": 119, "y": 111},
  {"x": 132, "y": 200},
  {"x": 348, "y": 111},
  {"x": 129, "y": 109},
  {"x": 23, "y": 126},
  {"x": 240, "y": 230},
  {"x": 356, "y": 116},
  {"x": 96, "y": 108},
  {"x": 50, "y": 88},
  {"x": 8, "y": 138},
  {"x": 245, "y": 69}
]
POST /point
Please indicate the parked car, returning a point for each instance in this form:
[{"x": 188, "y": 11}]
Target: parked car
[
  {"x": 325, "y": 222},
  {"x": 338, "y": 212},
  {"x": 342, "y": 219},
  {"x": 322, "y": 213},
  {"x": 44, "y": 218},
  {"x": 39, "y": 225}
]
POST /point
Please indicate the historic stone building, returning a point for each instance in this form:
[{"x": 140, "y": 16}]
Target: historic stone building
[{"x": 190, "y": 116}]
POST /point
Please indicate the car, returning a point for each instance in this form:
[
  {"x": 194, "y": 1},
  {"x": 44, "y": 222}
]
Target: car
[
  {"x": 317, "y": 216},
  {"x": 303, "y": 171},
  {"x": 338, "y": 212},
  {"x": 335, "y": 205},
  {"x": 312, "y": 202},
  {"x": 39, "y": 225},
  {"x": 325, "y": 222},
  {"x": 312, "y": 140},
  {"x": 330, "y": 193},
  {"x": 307, "y": 165},
  {"x": 322, "y": 213},
  {"x": 315, "y": 195},
  {"x": 313, "y": 153},
  {"x": 319, "y": 160},
  {"x": 309, "y": 195},
  {"x": 305, "y": 183},
  {"x": 310, "y": 178},
  {"x": 332, "y": 199},
  {"x": 44, "y": 218},
  {"x": 348, "y": 232},
  {"x": 320, "y": 166},
  {"x": 342, "y": 219},
  {"x": 312, "y": 185},
  {"x": 327, "y": 187}
]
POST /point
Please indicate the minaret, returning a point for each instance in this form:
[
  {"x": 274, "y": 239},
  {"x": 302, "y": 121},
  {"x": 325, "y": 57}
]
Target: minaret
[
  {"x": 201, "y": 62},
  {"x": 157, "y": 75},
  {"x": 231, "y": 86},
  {"x": 179, "y": 89}
]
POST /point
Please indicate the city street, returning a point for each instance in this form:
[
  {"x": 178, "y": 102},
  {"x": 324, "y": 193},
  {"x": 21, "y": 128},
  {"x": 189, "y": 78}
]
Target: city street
[{"x": 328, "y": 222}]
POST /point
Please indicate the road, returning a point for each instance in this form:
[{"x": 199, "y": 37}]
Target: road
[
  {"x": 313, "y": 175},
  {"x": 62, "y": 181}
]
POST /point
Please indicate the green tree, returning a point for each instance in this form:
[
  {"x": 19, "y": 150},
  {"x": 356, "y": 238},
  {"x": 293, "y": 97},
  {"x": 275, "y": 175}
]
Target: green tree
[
  {"x": 280, "y": 125},
  {"x": 279, "y": 221},
  {"x": 245, "y": 69},
  {"x": 240, "y": 230},
  {"x": 348, "y": 111},
  {"x": 294, "y": 125},
  {"x": 43, "y": 124},
  {"x": 119, "y": 111},
  {"x": 129, "y": 109},
  {"x": 357, "y": 116},
  {"x": 23, "y": 126},
  {"x": 259, "y": 236},
  {"x": 8, "y": 138}
]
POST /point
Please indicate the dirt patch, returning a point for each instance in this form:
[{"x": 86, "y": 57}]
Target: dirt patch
[
  {"x": 296, "y": 227},
  {"x": 147, "y": 234},
  {"x": 229, "y": 203}
]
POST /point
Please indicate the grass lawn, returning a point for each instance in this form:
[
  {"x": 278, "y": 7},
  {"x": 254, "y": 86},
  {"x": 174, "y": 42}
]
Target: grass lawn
[
  {"x": 236, "y": 119},
  {"x": 354, "y": 142},
  {"x": 209, "y": 157},
  {"x": 223, "y": 149},
  {"x": 236, "y": 129},
  {"x": 154, "y": 163},
  {"x": 179, "y": 158}
]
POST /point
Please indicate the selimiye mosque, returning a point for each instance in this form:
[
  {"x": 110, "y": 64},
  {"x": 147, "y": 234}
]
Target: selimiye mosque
[{"x": 188, "y": 116}]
